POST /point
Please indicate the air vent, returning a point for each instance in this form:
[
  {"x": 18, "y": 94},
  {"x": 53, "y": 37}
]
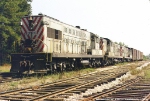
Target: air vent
[
  {"x": 40, "y": 14},
  {"x": 78, "y": 27}
]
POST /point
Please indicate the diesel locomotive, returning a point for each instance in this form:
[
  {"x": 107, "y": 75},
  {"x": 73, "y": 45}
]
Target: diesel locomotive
[{"x": 49, "y": 45}]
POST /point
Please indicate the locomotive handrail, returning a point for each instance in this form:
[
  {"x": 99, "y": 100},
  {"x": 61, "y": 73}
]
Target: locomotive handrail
[{"x": 46, "y": 46}]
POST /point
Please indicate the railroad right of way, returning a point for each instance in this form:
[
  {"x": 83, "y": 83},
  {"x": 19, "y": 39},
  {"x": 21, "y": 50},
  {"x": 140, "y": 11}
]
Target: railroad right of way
[{"x": 64, "y": 88}]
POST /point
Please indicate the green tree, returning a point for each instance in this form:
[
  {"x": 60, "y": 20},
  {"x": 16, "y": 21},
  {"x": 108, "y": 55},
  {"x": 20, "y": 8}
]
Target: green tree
[
  {"x": 116, "y": 42},
  {"x": 122, "y": 44},
  {"x": 11, "y": 11}
]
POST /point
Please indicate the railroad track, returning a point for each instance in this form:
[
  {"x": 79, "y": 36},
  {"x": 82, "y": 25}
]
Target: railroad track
[
  {"x": 5, "y": 74},
  {"x": 5, "y": 77},
  {"x": 136, "y": 89},
  {"x": 62, "y": 89},
  {"x": 8, "y": 77}
]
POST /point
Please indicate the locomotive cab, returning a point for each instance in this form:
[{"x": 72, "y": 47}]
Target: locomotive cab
[{"x": 33, "y": 58}]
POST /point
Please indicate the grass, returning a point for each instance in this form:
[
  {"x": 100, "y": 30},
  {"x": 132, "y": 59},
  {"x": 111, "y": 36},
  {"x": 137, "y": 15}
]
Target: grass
[
  {"x": 5, "y": 68},
  {"x": 133, "y": 68},
  {"x": 38, "y": 80},
  {"x": 135, "y": 71},
  {"x": 13, "y": 84},
  {"x": 147, "y": 72},
  {"x": 120, "y": 64}
]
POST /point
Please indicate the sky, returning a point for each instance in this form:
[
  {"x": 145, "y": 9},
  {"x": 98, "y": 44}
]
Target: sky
[{"x": 126, "y": 21}]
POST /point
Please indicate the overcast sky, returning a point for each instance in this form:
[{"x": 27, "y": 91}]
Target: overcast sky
[{"x": 125, "y": 21}]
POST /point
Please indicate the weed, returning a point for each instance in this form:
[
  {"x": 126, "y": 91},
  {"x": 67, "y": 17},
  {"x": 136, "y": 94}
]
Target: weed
[
  {"x": 5, "y": 68},
  {"x": 121, "y": 64},
  {"x": 147, "y": 72},
  {"x": 135, "y": 71},
  {"x": 43, "y": 81},
  {"x": 13, "y": 84}
]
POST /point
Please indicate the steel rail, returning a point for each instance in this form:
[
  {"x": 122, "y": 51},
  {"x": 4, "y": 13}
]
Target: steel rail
[
  {"x": 110, "y": 91},
  {"x": 59, "y": 82},
  {"x": 73, "y": 87}
]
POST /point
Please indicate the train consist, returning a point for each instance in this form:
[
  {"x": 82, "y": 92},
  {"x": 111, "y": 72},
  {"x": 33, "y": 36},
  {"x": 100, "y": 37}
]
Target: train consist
[{"x": 50, "y": 45}]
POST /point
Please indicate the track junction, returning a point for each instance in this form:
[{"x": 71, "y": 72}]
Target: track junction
[{"x": 65, "y": 89}]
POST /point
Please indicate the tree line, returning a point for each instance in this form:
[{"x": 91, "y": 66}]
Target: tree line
[
  {"x": 11, "y": 12},
  {"x": 122, "y": 44}
]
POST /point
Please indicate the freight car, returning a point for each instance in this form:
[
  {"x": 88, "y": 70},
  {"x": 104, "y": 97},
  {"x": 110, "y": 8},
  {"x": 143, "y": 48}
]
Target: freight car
[{"x": 48, "y": 44}]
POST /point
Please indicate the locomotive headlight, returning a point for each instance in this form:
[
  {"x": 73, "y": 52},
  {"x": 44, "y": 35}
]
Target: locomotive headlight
[
  {"x": 30, "y": 18},
  {"x": 29, "y": 49},
  {"x": 20, "y": 23}
]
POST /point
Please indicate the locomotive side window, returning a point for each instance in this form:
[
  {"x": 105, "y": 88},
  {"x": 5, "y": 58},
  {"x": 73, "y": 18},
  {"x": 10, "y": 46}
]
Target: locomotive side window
[
  {"x": 97, "y": 40},
  {"x": 69, "y": 31},
  {"x": 65, "y": 29},
  {"x": 79, "y": 34},
  {"x": 83, "y": 35},
  {"x": 59, "y": 35},
  {"x": 54, "y": 33},
  {"x": 73, "y": 32},
  {"x": 49, "y": 35},
  {"x": 76, "y": 33}
]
